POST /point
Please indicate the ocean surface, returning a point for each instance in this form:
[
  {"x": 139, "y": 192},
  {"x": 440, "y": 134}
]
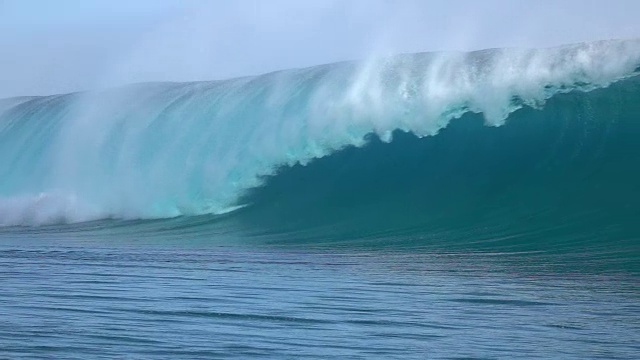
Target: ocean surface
[{"x": 481, "y": 205}]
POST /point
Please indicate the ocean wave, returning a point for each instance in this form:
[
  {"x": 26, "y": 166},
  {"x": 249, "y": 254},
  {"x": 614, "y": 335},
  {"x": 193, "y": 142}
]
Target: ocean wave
[{"x": 151, "y": 151}]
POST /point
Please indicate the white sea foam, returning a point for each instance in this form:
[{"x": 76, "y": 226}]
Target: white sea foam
[{"x": 164, "y": 150}]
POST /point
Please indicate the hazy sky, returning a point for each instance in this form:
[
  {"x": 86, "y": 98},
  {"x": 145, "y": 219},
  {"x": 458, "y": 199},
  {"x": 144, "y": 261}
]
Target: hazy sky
[{"x": 54, "y": 46}]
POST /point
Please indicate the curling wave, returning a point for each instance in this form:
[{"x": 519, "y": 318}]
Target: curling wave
[{"x": 173, "y": 149}]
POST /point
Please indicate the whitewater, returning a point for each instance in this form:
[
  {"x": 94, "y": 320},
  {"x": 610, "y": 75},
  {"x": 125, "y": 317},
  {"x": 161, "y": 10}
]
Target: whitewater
[{"x": 163, "y": 150}]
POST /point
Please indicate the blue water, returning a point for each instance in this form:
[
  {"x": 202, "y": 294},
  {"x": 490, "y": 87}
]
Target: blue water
[
  {"x": 100, "y": 301},
  {"x": 459, "y": 205}
]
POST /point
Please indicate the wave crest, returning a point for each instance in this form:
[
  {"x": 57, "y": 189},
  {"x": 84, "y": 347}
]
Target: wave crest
[{"x": 165, "y": 150}]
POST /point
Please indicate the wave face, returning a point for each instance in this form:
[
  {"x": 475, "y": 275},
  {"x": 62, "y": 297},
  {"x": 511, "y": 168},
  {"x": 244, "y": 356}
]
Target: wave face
[{"x": 409, "y": 144}]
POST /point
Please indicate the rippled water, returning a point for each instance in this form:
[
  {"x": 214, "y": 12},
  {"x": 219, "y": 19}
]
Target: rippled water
[{"x": 74, "y": 300}]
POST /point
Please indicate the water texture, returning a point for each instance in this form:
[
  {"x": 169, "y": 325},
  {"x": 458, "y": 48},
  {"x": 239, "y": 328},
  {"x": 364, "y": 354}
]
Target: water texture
[{"x": 436, "y": 205}]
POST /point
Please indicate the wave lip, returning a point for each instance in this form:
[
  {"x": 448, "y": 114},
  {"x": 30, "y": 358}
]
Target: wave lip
[{"x": 197, "y": 148}]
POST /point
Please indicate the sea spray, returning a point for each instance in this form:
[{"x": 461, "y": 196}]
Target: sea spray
[{"x": 171, "y": 149}]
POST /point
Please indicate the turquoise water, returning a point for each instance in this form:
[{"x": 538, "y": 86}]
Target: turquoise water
[{"x": 460, "y": 205}]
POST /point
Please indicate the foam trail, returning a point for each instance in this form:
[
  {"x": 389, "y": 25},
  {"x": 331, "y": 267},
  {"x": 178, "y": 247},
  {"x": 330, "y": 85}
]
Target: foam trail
[{"x": 165, "y": 150}]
